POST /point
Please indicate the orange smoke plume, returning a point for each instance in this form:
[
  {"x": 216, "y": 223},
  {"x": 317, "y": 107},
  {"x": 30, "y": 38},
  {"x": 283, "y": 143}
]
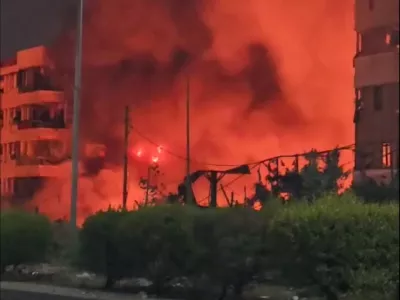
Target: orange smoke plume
[{"x": 267, "y": 77}]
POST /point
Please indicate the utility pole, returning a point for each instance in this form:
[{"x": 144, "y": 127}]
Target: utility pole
[
  {"x": 213, "y": 178},
  {"x": 126, "y": 149},
  {"x": 188, "y": 183},
  {"x": 76, "y": 115}
]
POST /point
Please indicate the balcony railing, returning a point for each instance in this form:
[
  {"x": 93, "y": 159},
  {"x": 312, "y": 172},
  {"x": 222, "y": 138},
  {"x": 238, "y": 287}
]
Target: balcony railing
[
  {"x": 29, "y": 124},
  {"x": 40, "y": 161}
]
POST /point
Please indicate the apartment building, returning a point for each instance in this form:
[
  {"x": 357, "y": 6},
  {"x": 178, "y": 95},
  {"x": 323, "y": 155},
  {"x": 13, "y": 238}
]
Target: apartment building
[
  {"x": 33, "y": 134},
  {"x": 376, "y": 83}
]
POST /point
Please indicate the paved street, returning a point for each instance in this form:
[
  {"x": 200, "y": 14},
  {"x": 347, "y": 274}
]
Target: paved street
[{"x": 31, "y": 291}]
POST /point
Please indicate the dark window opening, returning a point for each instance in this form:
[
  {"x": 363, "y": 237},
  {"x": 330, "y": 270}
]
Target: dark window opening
[
  {"x": 43, "y": 116},
  {"x": 377, "y": 40},
  {"x": 1, "y": 84},
  {"x": 17, "y": 116},
  {"x": 25, "y": 188},
  {"x": 377, "y": 98},
  {"x": 34, "y": 79}
]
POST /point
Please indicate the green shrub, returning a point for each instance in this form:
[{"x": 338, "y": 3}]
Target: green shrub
[
  {"x": 25, "y": 238},
  {"x": 99, "y": 250},
  {"x": 371, "y": 191},
  {"x": 156, "y": 243},
  {"x": 338, "y": 244},
  {"x": 230, "y": 247}
]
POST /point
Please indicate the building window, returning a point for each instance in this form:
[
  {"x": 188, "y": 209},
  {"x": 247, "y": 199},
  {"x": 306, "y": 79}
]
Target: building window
[
  {"x": 377, "y": 98},
  {"x": 17, "y": 116},
  {"x": 386, "y": 155},
  {"x": 1, "y": 84},
  {"x": 374, "y": 41},
  {"x": 371, "y": 4}
]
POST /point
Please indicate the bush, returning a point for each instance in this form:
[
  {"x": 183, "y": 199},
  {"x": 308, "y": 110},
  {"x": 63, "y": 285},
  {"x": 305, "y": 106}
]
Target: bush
[
  {"x": 338, "y": 244},
  {"x": 230, "y": 247},
  {"x": 99, "y": 250},
  {"x": 157, "y": 244},
  {"x": 371, "y": 191},
  {"x": 25, "y": 238}
]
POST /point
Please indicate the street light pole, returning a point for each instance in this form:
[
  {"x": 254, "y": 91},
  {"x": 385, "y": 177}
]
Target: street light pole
[{"x": 76, "y": 115}]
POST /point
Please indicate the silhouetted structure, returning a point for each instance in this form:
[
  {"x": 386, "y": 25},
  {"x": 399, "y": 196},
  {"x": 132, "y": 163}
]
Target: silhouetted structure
[{"x": 376, "y": 83}]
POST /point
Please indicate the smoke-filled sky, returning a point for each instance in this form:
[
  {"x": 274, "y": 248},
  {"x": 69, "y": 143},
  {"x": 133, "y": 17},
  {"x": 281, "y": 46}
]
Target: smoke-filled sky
[
  {"x": 267, "y": 76},
  {"x": 273, "y": 73},
  {"x": 29, "y": 23}
]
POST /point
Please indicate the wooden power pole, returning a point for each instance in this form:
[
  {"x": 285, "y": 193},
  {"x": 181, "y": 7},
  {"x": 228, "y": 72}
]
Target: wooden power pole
[{"x": 126, "y": 149}]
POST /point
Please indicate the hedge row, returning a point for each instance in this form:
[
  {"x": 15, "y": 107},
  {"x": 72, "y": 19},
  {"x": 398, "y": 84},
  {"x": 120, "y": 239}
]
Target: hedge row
[
  {"x": 340, "y": 246},
  {"x": 336, "y": 244},
  {"x": 25, "y": 238}
]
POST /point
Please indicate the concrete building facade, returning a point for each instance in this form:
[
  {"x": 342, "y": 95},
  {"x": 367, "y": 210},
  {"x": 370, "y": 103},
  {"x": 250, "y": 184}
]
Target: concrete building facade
[
  {"x": 33, "y": 133},
  {"x": 376, "y": 82}
]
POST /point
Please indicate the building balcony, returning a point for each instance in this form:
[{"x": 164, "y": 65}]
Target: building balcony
[
  {"x": 31, "y": 124},
  {"x": 378, "y": 69},
  {"x": 32, "y": 168},
  {"x": 14, "y": 98},
  {"x": 33, "y": 132}
]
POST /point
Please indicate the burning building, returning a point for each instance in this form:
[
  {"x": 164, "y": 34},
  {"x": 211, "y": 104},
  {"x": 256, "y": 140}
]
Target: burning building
[
  {"x": 377, "y": 89},
  {"x": 34, "y": 136},
  {"x": 264, "y": 80}
]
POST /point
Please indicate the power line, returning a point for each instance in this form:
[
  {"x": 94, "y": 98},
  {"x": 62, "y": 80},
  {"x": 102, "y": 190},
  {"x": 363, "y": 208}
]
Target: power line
[
  {"x": 226, "y": 185},
  {"x": 172, "y": 153},
  {"x": 256, "y": 163}
]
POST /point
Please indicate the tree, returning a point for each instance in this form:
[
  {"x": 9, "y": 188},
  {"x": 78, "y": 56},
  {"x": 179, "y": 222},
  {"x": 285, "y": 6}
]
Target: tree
[
  {"x": 153, "y": 190},
  {"x": 321, "y": 174}
]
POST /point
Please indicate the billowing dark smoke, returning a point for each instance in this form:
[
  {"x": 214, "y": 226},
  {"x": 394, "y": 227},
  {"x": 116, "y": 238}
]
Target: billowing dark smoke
[
  {"x": 266, "y": 78},
  {"x": 156, "y": 44}
]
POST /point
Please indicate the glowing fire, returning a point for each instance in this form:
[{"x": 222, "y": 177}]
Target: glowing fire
[
  {"x": 266, "y": 78},
  {"x": 139, "y": 153}
]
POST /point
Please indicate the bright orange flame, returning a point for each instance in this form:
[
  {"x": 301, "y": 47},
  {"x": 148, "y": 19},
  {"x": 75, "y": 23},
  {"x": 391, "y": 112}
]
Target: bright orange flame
[
  {"x": 139, "y": 153},
  {"x": 231, "y": 122}
]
